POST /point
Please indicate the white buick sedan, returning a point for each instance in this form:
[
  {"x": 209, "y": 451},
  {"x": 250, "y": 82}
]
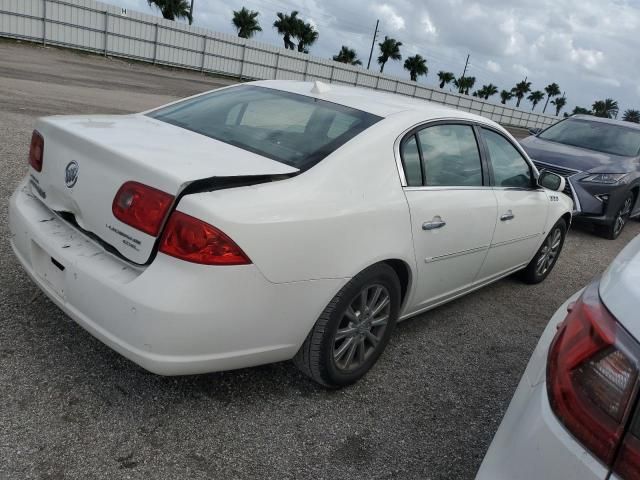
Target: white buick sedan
[{"x": 276, "y": 220}]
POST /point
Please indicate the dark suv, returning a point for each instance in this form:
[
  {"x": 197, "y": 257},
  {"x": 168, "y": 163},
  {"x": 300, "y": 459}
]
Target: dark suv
[{"x": 600, "y": 159}]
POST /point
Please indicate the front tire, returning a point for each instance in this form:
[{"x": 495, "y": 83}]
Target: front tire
[
  {"x": 614, "y": 229},
  {"x": 353, "y": 330},
  {"x": 547, "y": 255}
]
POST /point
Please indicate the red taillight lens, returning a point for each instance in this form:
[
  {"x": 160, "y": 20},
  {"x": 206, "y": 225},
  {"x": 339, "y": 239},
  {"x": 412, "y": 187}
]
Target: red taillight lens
[
  {"x": 627, "y": 464},
  {"x": 36, "y": 151},
  {"x": 591, "y": 375},
  {"x": 193, "y": 240},
  {"x": 141, "y": 207}
]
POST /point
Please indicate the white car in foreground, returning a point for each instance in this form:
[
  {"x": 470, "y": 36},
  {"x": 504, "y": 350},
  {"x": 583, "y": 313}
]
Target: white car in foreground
[
  {"x": 276, "y": 220},
  {"x": 576, "y": 412}
]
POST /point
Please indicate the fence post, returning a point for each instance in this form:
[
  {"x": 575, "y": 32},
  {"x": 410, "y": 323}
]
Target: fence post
[
  {"x": 44, "y": 23},
  {"x": 106, "y": 32},
  {"x": 397, "y": 84},
  {"x": 204, "y": 52},
  {"x": 415, "y": 90},
  {"x": 331, "y": 74},
  {"x": 244, "y": 55},
  {"x": 275, "y": 77},
  {"x": 306, "y": 69},
  {"x": 155, "y": 46},
  {"x": 356, "y": 82},
  {"x": 377, "y": 82}
]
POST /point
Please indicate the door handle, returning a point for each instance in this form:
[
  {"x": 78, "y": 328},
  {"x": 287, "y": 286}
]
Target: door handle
[
  {"x": 507, "y": 216},
  {"x": 437, "y": 222}
]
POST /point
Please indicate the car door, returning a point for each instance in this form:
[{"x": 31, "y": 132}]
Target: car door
[
  {"x": 453, "y": 209},
  {"x": 522, "y": 207}
]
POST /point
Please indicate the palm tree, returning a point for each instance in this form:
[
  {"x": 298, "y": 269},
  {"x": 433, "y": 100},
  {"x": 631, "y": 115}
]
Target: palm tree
[
  {"x": 535, "y": 98},
  {"x": 287, "y": 26},
  {"x": 464, "y": 84},
  {"x": 389, "y": 49},
  {"x": 607, "y": 108},
  {"x": 445, "y": 78},
  {"x": 172, "y": 9},
  {"x": 581, "y": 111},
  {"x": 631, "y": 116},
  {"x": 246, "y": 22},
  {"x": 488, "y": 91},
  {"x": 306, "y": 35},
  {"x": 417, "y": 65},
  {"x": 559, "y": 103},
  {"x": 505, "y": 96},
  {"x": 553, "y": 90},
  {"x": 520, "y": 90},
  {"x": 347, "y": 55}
]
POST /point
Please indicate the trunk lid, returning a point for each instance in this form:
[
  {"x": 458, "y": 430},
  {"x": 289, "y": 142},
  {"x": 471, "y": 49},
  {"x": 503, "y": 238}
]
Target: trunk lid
[
  {"x": 88, "y": 158},
  {"x": 620, "y": 287}
]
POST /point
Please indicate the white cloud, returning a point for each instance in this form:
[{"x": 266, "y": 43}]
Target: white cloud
[
  {"x": 390, "y": 17},
  {"x": 428, "y": 25},
  {"x": 493, "y": 66}
]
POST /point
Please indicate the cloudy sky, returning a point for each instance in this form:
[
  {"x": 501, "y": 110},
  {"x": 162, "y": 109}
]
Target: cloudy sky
[{"x": 589, "y": 47}]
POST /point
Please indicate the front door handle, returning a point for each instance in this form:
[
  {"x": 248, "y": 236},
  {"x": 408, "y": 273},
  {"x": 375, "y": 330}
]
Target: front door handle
[
  {"x": 507, "y": 216},
  {"x": 437, "y": 222}
]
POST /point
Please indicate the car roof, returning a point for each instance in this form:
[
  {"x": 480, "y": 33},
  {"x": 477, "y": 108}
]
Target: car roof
[
  {"x": 611, "y": 121},
  {"x": 379, "y": 103}
]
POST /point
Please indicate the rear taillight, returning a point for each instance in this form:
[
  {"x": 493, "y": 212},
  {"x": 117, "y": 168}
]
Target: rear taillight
[
  {"x": 141, "y": 207},
  {"x": 592, "y": 373},
  {"x": 36, "y": 151},
  {"x": 627, "y": 464},
  {"x": 193, "y": 240}
]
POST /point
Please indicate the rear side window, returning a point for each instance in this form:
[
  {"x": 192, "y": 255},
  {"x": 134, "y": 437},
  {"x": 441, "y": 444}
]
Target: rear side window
[
  {"x": 293, "y": 129},
  {"x": 411, "y": 162},
  {"x": 450, "y": 156},
  {"x": 510, "y": 169}
]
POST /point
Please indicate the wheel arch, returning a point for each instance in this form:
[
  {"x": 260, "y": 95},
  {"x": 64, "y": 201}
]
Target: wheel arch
[{"x": 405, "y": 275}]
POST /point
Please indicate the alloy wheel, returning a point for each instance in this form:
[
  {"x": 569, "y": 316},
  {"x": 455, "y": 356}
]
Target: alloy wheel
[
  {"x": 623, "y": 215},
  {"x": 549, "y": 252},
  {"x": 361, "y": 327}
]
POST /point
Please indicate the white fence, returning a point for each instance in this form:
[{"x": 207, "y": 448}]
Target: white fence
[{"x": 106, "y": 29}]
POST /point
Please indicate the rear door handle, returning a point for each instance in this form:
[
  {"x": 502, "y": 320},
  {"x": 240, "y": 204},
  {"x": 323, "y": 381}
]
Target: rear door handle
[
  {"x": 437, "y": 222},
  {"x": 507, "y": 216}
]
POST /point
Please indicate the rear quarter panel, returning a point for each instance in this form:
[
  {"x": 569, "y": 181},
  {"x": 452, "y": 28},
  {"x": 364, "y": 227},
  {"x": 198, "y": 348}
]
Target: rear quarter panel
[{"x": 332, "y": 221}]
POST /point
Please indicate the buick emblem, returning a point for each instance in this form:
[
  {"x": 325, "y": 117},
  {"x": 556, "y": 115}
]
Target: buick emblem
[{"x": 71, "y": 174}]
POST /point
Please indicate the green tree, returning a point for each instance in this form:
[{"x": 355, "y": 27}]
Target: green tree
[
  {"x": 389, "y": 49},
  {"x": 505, "y": 96},
  {"x": 553, "y": 90},
  {"x": 581, "y": 111},
  {"x": 520, "y": 90},
  {"x": 287, "y": 26},
  {"x": 535, "y": 98},
  {"x": 631, "y": 115},
  {"x": 347, "y": 55},
  {"x": 559, "y": 103},
  {"x": 464, "y": 84},
  {"x": 306, "y": 35},
  {"x": 246, "y": 22},
  {"x": 488, "y": 91},
  {"x": 172, "y": 9},
  {"x": 445, "y": 78},
  {"x": 607, "y": 108},
  {"x": 417, "y": 66}
]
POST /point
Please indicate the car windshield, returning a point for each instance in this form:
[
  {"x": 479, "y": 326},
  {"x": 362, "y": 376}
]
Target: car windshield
[
  {"x": 594, "y": 135},
  {"x": 293, "y": 129}
]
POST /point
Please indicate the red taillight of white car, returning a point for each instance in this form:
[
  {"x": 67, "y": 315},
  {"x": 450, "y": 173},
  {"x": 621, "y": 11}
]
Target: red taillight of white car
[
  {"x": 36, "y": 151},
  {"x": 592, "y": 382},
  {"x": 141, "y": 207},
  {"x": 193, "y": 240}
]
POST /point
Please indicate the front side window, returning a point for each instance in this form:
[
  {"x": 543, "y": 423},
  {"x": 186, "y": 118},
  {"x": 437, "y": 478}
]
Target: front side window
[
  {"x": 450, "y": 156},
  {"x": 293, "y": 129},
  {"x": 510, "y": 169}
]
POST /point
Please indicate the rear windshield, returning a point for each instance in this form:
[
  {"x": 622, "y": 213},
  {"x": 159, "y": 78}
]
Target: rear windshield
[
  {"x": 598, "y": 136},
  {"x": 293, "y": 129}
]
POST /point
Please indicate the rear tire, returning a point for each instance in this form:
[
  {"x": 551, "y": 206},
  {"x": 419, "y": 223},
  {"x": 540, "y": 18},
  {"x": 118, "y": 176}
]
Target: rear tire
[
  {"x": 353, "y": 330},
  {"x": 546, "y": 256},
  {"x": 614, "y": 229}
]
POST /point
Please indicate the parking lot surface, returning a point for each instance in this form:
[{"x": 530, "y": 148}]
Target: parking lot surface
[{"x": 72, "y": 408}]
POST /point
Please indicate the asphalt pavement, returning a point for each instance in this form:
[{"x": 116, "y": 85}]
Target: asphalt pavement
[{"x": 71, "y": 408}]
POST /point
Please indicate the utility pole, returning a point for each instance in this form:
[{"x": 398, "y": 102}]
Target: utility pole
[
  {"x": 191, "y": 13},
  {"x": 373, "y": 42},
  {"x": 465, "y": 66}
]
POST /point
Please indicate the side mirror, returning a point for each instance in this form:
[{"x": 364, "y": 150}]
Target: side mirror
[
  {"x": 551, "y": 180},
  {"x": 535, "y": 131}
]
